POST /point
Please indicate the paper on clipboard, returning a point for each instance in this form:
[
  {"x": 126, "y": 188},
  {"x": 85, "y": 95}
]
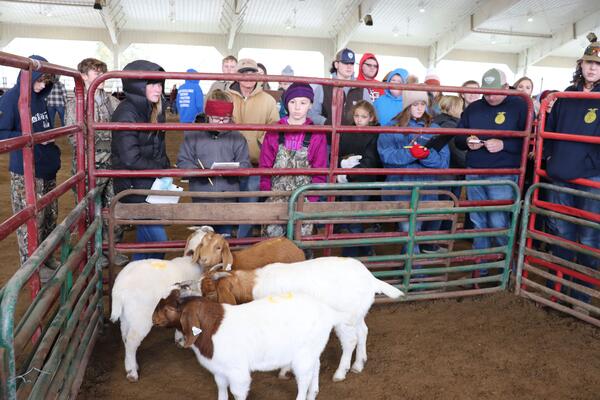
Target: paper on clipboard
[
  {"x": 164, "y": 184},
  {"x": 225, "y": 165}
]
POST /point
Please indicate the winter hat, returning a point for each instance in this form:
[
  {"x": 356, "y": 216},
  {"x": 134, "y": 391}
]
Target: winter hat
[
  {"x": 298, "y": 90},
  {"x": 409, "y": 97},
  {"x": 592, "y": 52},
  {"x": 219, "y": 108},
  {"x": 247, "y": 65},
  {"x": 432, "y": 78},
  {"x": 287, "y": 71},
  {"x": 493, "y": 79}
]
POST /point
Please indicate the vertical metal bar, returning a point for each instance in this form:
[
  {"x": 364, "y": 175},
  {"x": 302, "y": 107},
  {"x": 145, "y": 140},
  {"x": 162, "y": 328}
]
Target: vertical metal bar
[
  {"x": 522, "y": 242},
  {"x": 410, "y": 245}
]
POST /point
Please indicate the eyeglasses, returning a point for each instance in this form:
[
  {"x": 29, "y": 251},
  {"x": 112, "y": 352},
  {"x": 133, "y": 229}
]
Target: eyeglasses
[
  {"x": 219, "y": 120},
  {"x": 371, "y": 65}
]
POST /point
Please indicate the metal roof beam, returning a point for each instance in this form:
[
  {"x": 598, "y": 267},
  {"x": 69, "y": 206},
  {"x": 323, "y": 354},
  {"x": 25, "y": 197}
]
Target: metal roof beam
[
  {"x": 232, "y": 18},
  {"x": 577, "y": 30},
  {"x": 448, "y": 41},
  {"x": 350, "y": 20},
  {"x": 113, "y": 18}
]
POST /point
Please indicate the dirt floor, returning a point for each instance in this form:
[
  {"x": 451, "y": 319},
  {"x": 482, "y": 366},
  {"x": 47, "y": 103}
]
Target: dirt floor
[{"x": 493, "y": 347}]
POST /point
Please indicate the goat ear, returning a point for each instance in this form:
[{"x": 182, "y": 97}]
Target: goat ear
[
  {"x": 188, "y": 322},
  {"x": 194, "y": 228},
  {"x": 226, "y": 256},
  {"x": 206, "y": 228},
  {"x": 196, "y": 255},
  {"x": 224, "y": 295}
]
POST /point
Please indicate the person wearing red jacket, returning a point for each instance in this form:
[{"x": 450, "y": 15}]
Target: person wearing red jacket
[{"x": 367, "y": 71}]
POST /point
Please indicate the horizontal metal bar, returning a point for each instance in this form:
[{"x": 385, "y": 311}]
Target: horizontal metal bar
[
  {"x": 559, "y": 307},
  {"x": 565, "y": 282}
]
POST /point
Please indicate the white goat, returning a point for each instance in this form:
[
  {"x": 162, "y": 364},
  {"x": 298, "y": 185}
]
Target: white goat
[
  {"x": 263, "y": 335},
  {"x": 138, "y": 289},
  {"x": 344, "y": 284}
]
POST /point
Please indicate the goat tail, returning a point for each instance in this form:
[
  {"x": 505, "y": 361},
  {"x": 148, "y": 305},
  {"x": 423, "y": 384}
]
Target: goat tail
[
  {"x": 387, "y": 289},
  {"x": 117, "y": 307}
]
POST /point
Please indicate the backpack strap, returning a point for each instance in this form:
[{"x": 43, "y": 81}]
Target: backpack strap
[
  {"x": 281, "y": 139},
  {"x": 306, "y": 140}
]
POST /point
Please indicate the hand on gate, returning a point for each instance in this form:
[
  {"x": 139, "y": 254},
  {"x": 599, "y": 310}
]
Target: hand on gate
[{"x": 419, "y": 152}]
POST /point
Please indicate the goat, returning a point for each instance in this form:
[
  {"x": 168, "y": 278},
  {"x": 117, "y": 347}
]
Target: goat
[
  {"x": 344, "y": 284},
  {"x": 140, "y": 286},
  {"x": 214, "y": 251},
  {"x": 263, "y": 335}
]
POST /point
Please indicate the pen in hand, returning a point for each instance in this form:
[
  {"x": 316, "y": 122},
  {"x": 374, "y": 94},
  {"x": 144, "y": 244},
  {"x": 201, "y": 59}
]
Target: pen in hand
[{"x": 202, "y": 166}]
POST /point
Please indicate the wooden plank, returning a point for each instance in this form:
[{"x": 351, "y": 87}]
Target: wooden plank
[{"x": 254, "y": 212}]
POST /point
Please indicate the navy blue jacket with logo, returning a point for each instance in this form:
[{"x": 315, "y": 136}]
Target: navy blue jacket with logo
[
  {"x": 511, "y": 114},
  {"x": 46, "y": 156},
  {"x": 571, "y": 160}
]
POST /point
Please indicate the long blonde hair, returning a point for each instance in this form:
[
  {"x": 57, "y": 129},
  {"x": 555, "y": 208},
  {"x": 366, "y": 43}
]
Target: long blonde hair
[{"x": 451, "y": 105}]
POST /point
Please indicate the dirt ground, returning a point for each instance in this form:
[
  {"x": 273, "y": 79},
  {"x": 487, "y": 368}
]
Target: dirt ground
[{"x": 493, "y": 347}]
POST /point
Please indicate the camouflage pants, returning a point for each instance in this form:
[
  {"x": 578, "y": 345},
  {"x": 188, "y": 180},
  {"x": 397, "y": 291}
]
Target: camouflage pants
[
  {"x": 102, "y": 162},
  {"x": 46, "y": 218}
]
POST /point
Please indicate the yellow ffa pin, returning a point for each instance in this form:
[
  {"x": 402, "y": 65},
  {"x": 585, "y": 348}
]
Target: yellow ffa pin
[
  {"x": 500, "y": 118},
  {"x": 590, "y": 116}
]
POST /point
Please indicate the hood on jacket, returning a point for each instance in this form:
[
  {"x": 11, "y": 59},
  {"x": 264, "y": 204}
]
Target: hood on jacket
[
  {"x": 137, "y": 87},
  {"x": 398, "y": 71},
  {"x": 192, "y": 80},
  {"x": 35, "y": 75},
  {"x": 365, "y": 57},
  {"x": 235, "y": 89}
]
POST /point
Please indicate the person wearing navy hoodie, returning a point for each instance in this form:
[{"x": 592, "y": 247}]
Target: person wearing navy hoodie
[
  {"x": 571, "y": 160},
  {"x": 495, "y": 112},
  {"x": 46, "y": 155},
  {"x": 190, "y": 100},
  {"x": 140, "y": 150}
]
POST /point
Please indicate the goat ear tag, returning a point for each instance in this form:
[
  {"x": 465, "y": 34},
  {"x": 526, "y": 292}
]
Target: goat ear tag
[{"x": 196, "y": 331}]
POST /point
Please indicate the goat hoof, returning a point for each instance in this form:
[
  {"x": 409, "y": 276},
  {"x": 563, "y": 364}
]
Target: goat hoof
[
  {"x": 132, "y": 376},
  {"x": 339, "y": 376},
  {"x": 357, "y": 368}
]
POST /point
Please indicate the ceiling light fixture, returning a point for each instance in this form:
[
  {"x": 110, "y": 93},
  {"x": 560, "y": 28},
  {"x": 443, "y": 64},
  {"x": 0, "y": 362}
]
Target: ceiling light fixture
[
  {"x": 493, "y": 39},
  {"x": 529, "y": 17},
  {"x": 396, "y": 31},
  {"x": 421, "y": 7}
]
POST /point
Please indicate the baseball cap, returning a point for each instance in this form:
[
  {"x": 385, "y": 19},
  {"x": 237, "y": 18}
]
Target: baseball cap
[
  {"x": 493, "y": 79},
  {"x": 346, "y": 56},
  {"x": 247, "y": 65}
]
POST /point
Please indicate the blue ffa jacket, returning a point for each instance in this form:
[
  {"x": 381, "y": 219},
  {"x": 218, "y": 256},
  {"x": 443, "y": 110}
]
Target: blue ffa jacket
[
  {"x": 46, "y": 156},
  {"x": 571, "y": 160},
  {"x": 190, "y": 100},
  {"x": 511, "y": 114}
]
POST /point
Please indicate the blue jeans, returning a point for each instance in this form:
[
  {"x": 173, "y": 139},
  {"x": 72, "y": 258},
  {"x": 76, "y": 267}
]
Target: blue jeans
[
  {"x": 357, "y": 251},
  {"x": 497, "y": 219},
  {"x": 576, "y": 233},
  {"x": 52, "y": 110},
  {"x": 149, "y": 233},
  {"x": 248, "y": 184}
]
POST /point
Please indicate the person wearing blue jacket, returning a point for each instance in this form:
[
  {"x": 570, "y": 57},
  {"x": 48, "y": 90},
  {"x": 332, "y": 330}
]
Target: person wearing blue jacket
[
  {"x": 398, "y": 150},
  {"x": 494, "y": 112},
  {"x": 390, "y": 104},
  {"x": 46, "y": 156},
  {"x": 190, "y": 100},
  {"x": 571, "y": 160}
]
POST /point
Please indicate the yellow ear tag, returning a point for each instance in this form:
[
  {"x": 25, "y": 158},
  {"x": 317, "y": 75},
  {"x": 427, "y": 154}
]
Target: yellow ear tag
[
  {"x": 500, "y": 118},
  {"x": 158, "y": 264},
  {"x": 288, "y": 296},
  {"x": 271, "y": 299},
  {"x": 590, "y": 116}
]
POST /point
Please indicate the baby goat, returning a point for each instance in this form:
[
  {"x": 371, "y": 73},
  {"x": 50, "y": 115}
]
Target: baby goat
[
  {"x": 344, "y": 284},
  {"x": 214, "y": 250},
  {"x": 263, "y": 335}
]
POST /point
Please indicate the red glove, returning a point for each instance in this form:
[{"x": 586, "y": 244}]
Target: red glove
[{"x": 419, "y": 152}]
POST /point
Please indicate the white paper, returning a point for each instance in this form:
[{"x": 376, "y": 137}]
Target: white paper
[
  {"x": 158, "y": 199},
  {"x": 225, "y": 165}
]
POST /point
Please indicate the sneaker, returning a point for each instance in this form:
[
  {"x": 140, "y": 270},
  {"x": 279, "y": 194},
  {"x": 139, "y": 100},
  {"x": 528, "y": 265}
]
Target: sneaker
[
  {"x": 46, "y": 274},
  {"x": 433, "y": 248},
  {"x": 51, "y": 263},
  {"x": 120, "y": 260}
]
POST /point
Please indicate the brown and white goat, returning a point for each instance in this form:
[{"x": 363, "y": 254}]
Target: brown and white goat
[{"x": 214, "y": 250}]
